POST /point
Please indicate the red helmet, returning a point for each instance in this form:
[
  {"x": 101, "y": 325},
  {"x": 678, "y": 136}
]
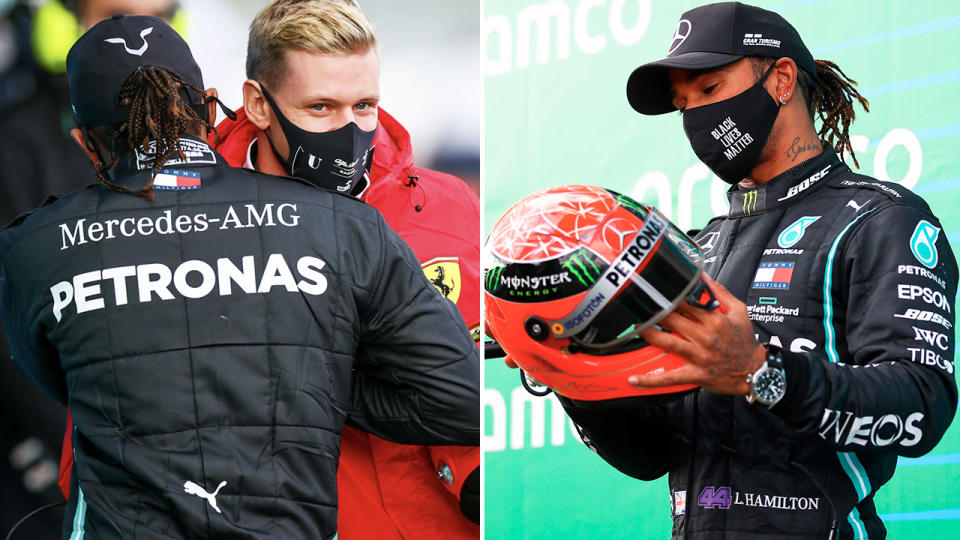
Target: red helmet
[{"x": 574, "y": 273}]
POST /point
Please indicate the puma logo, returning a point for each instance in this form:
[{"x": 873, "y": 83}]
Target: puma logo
[
  {"x": 194, "y": 489},
  {"x": 853, "y": 204},
  {"x": 137, "y": 52}
]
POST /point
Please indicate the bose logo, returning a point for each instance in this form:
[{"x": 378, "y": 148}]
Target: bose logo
[{"x": 794, "y": 190}]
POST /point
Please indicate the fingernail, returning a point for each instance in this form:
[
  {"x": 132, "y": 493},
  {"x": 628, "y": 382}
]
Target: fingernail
[{"x": 633, "y": 379}]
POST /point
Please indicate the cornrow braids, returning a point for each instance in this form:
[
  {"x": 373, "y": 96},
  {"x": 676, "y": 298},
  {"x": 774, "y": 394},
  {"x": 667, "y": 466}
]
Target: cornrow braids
[
  {"x": 831, "y": 98},
  {"x": 160, "y": 111}
]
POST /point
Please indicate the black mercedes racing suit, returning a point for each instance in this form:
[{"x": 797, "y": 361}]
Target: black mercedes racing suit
[
  {"x": 855, "y": 280},
  {"x": 212, "y": 342}
]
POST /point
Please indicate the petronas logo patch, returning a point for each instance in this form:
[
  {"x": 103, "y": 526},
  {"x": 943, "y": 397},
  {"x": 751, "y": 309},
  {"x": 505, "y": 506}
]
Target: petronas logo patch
[
  {"x": 923, "y": 243},
  {"x": 792, "y": 234},
  {"x": 444, "y": 273}
]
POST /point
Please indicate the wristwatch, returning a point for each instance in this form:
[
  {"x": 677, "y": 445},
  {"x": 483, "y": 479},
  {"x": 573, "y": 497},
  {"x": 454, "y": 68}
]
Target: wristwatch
[{"x": 768, "y": 384}]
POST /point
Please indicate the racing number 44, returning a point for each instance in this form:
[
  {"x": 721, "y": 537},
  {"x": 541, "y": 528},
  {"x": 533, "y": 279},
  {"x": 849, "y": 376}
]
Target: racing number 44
[{"x": 715, "y": 497}]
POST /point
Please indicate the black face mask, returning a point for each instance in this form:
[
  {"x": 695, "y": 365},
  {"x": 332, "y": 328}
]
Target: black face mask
[
  {"x": 335, "y": 160},
  {"x": 728, "y": 136}
]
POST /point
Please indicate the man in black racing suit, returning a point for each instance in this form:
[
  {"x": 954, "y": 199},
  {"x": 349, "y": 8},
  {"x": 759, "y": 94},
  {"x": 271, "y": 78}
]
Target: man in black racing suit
[
  {"x": 848, "y": 280},
  {"x": 212, "y": 329}
]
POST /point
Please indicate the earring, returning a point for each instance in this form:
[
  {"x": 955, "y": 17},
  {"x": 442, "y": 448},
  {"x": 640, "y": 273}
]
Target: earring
[{"x": 783, "y": 98}]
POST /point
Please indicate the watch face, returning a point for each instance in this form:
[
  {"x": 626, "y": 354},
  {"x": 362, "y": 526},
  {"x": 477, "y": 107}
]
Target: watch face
[{"x": 770, "y": 386}]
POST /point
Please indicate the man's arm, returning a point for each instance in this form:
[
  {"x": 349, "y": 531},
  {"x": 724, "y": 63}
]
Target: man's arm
[
  {"x": 899, "y": 393},
  {"x": 418, "y": 375},
  {"x": 636, "y": 439},
  {"x": 32, "y": 352}
]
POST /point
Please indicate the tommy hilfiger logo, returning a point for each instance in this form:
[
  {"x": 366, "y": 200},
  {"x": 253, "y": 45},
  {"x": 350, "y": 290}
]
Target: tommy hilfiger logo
[{"x": 773, "y": 275}]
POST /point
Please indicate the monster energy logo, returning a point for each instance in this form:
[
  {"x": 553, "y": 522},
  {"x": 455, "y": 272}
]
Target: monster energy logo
[
  {"x": 576, "y": 266},
  {"x": 750, "y": 202},
  {"x": 492, "y": 277}
]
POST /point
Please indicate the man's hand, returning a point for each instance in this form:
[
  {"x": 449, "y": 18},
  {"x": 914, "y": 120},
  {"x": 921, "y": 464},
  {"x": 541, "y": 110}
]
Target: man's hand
[{"x": 718, "y": 345}]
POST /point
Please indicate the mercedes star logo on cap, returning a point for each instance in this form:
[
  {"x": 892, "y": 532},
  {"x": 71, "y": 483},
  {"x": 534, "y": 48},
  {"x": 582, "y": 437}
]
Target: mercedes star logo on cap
[{"x": 680, "y": 34}]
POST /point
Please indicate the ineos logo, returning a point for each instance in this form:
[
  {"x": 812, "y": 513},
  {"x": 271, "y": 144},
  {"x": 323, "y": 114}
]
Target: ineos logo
[{"x": 680, "y": 34}]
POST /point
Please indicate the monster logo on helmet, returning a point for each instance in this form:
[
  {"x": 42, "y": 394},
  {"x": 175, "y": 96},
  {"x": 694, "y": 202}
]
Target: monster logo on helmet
[{"x": 574, "y": 274}]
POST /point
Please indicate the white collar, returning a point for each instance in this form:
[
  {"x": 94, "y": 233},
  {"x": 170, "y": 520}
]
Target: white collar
[{"x": 248, "y": 164}]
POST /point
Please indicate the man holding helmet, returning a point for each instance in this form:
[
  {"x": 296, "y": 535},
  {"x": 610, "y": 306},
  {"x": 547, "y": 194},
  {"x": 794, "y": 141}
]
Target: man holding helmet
[{"x": 848, "y": 283}]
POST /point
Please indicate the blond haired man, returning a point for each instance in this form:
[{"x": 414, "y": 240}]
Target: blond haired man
[{"x": 311, "y": 110}]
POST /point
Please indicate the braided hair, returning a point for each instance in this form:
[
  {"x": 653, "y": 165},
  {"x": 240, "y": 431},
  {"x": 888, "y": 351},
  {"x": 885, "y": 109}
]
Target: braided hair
[
  {"x": 160, "y": 111},
  {"x": 831, "y": 97}
]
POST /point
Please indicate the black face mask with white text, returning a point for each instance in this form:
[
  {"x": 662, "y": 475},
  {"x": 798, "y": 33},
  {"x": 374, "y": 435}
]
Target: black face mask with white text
[
  {"x": 336, "y": 160},
  {"x": 728, "y": 136}
]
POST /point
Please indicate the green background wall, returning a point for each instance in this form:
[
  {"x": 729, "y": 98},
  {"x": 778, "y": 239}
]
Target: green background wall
[{"x": 556, "y": 112}]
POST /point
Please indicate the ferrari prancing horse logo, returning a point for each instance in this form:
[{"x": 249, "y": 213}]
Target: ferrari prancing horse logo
[{"x": 444, "y": 273}]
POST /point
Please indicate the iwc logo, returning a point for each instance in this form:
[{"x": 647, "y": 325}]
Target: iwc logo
[{"x": 444, "y": 273}]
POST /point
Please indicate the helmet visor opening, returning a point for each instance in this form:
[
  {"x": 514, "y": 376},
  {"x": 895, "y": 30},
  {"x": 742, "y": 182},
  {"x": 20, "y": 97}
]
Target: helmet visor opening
[{"x": 665, "y": 277}]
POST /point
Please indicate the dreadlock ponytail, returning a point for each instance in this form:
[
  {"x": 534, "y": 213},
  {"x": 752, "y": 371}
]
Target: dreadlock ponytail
[
  {"x": 832, "y": 98},
  {"x": 160, "y": 111}
]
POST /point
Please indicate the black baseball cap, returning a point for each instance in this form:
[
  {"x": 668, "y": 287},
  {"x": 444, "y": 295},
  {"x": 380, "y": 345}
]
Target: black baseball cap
[
  {"x": 106, "y": 55},
  {"x": 711, "y": 36}
]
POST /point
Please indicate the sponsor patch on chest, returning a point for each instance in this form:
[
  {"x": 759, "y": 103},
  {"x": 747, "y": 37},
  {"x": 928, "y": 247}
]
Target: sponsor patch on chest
[
  {"x": 773, "y": 275},
  {"x": 176, "y": 179}
]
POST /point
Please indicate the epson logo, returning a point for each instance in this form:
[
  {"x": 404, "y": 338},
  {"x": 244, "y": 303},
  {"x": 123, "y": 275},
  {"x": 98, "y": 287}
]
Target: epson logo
[
  {"x": 934, "y": 298},
  {"x": 798, "y": 188},
  {"x": 846, "y": 428}
]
